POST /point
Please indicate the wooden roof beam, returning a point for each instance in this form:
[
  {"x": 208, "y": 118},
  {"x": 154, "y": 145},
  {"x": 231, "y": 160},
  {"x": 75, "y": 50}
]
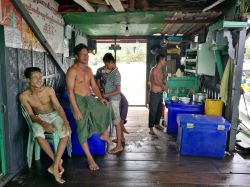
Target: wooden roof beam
[
  {"x": 117, "y": 5},
  {"x": 183, "y": 21},
  {"x": 131, "y": 5},
  {"x": 100, "y": 2},
  {"x": 212, "y": 5},
  {"x": 168, "y": 26},
  {"x": 85, "y": 5}
]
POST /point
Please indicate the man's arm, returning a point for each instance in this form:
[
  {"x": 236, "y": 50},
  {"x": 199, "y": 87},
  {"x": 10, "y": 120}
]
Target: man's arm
[
  {"x": 70, "y": 81},
  {"x": 94, "y": 85},
  {"x": 98, "y": 82},
  {"x": 95, "y": 88},
  {"x": 58, "y": 107},
  {"x": 97, "y": 77},
  {"x": 34, "y": 118},
  {"x": 115, "y": 92}
]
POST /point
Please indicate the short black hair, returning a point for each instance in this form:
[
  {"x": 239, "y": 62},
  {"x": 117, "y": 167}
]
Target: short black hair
[
  {"x": 159, "y": 57},
  {"x": 28, "y": 71},
  {"x": 108, "y": 57},
  {"x": 79, "y": 47}
]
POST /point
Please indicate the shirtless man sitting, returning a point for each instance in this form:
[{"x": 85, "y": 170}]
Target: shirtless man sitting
[
  {"x": 92, "y": 115},
  {"x": 48, "y": 116}
]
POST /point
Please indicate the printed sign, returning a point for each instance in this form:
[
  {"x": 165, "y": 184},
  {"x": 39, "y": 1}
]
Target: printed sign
[
  {"x": 50, "y": 23},
  {"x": 44, "y": 14}
]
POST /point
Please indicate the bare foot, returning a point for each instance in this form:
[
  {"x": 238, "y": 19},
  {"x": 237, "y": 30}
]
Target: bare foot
[
  {"x": 124, "y": 130},
  {"x": 106, "y": 138},
  {"x": 50, "y": 170},
  {"x": 116, "y": 150},
  {"x": 152, "y": 133},
  {"x": 56, "y": 174},
  {"x": 61, "y": 169},
  {"x": 159, "y": 127},
  {"x": 60, "y": 180},
  {"x": 115, "y": 141},
  {"x": 92, "y": 165}
]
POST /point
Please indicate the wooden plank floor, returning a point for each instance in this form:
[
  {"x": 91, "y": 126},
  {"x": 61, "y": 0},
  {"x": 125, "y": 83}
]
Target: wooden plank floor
[{"x": 146, "y": 161}]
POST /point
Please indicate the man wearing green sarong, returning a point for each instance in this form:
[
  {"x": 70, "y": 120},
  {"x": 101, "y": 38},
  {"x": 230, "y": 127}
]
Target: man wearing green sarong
[{"x": 92, "y": 115}]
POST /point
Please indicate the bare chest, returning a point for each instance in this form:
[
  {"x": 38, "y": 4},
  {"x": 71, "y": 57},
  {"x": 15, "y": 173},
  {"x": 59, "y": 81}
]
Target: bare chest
[
  {"x": 83, "y": 77},
  {"x": 156, "y": 74},
  {"x": 39, "y": 100}
]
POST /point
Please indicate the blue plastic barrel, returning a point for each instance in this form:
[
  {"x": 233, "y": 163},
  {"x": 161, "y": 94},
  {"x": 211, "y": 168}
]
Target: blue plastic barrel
[
  {"x": 180, "y": 108},
  {"x": 96, "y": 145}
]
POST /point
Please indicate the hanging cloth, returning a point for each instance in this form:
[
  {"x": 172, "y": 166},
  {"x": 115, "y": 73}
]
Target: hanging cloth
[{"x": 225, "y": 81}]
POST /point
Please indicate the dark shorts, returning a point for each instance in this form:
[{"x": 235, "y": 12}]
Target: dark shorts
[{"x": 155, "y": 108}]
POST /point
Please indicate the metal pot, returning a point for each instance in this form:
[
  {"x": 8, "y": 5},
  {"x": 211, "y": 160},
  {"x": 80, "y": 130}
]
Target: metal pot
[
  {"x": 174, "y": 99},
  {"x": 199, "y": 97}
]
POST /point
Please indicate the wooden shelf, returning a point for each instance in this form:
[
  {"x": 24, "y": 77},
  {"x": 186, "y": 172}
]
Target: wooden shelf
[
  {"x": 190, "y": 70},
  {"x": 227, "y": 24},
  {"x": 191, "y": 60},
  {"x": 192, "y": 50}
]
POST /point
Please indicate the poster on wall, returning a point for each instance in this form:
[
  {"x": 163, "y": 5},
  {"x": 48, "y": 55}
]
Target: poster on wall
[
  {"x": 10, "y": 16},
  {"x": 12, "y": 22},
  {"x": 29, "y": 40},
  {"x": 50, "y": 23},
  {"x": 44, "y": 13},
  {"x": 13, "y": 37}
]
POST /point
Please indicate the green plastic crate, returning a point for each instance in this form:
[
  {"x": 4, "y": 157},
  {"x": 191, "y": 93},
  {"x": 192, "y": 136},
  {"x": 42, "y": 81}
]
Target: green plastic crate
[{"x": 182, "y": 86}]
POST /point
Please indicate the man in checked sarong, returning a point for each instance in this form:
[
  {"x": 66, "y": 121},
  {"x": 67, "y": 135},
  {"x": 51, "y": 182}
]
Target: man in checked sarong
[{"x": 92, "y": 115}]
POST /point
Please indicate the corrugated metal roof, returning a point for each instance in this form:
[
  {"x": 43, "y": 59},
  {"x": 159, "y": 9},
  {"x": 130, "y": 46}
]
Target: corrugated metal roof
[{"x": 140, "y": 23}]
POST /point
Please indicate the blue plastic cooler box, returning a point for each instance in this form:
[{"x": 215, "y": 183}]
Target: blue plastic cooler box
[
  {"x": 202, "y": 135},
  {"x": 180, "y": 108}
]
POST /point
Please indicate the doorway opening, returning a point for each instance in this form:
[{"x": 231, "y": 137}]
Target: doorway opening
[{"x": 131, "y": 60}]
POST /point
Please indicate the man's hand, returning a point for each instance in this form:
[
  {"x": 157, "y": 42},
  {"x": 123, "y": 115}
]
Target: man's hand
[
  {"x": 66, "y": 126},
  {"x": 48, "y": 127},
  {"x": 103, "y": 101},
  {"x": 78, "y": 115},
  {"x": 164, "y": 88}
]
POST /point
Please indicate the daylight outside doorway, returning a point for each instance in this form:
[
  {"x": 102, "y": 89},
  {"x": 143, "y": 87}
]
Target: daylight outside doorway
[{"x": 131, "y": 61}]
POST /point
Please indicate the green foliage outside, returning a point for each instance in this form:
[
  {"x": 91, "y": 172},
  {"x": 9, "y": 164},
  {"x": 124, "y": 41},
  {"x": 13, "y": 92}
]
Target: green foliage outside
[
  {"x": 247, "y": 49},
  {"x": 246, "y": 74},
  {"x": 131, "y": 52}
]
